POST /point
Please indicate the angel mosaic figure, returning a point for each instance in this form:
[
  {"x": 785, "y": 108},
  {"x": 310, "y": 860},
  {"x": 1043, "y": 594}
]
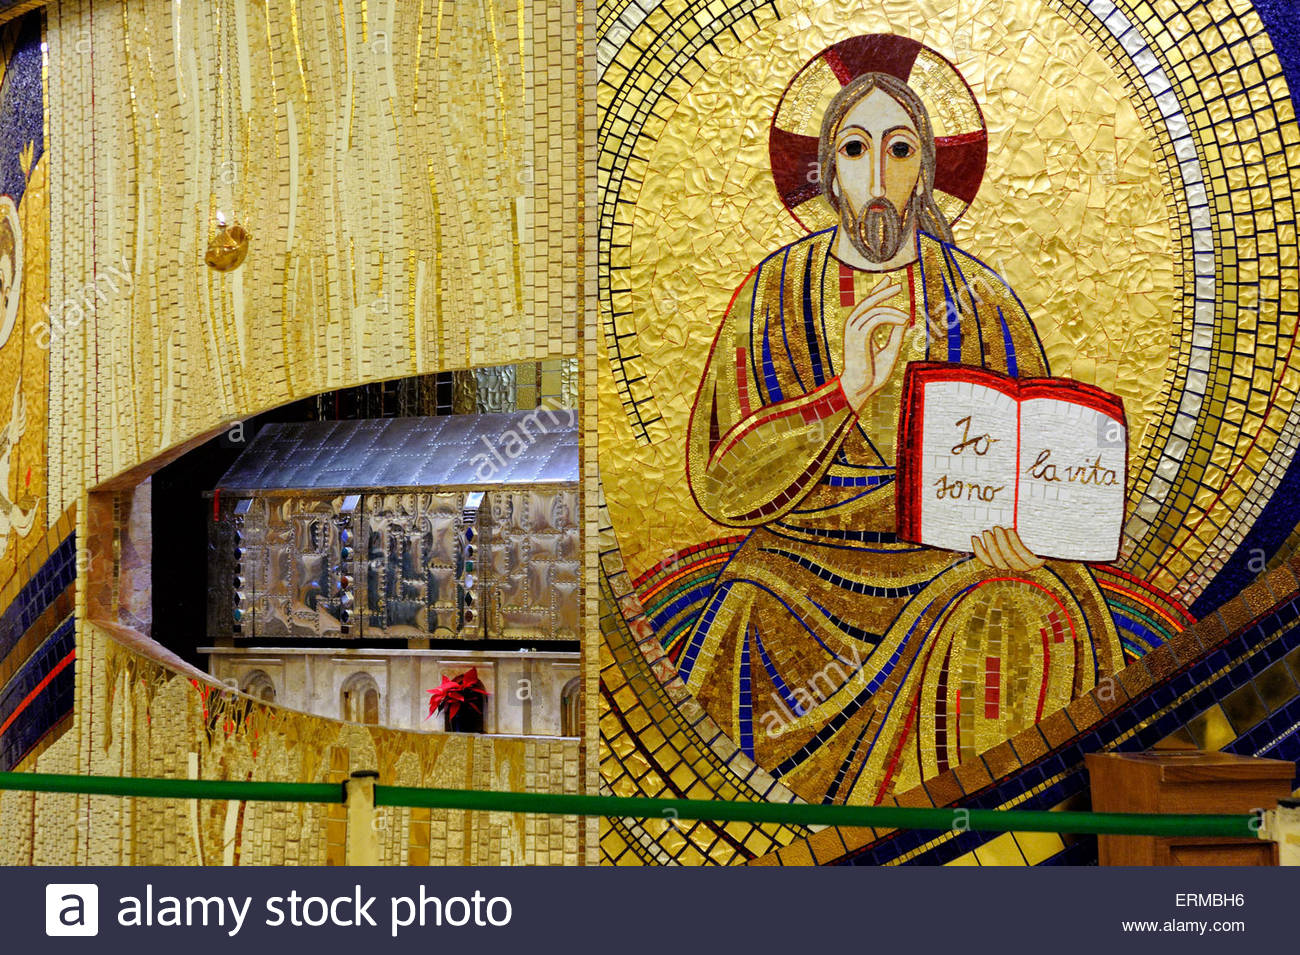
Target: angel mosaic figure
[{"x": 14, "y": 518}]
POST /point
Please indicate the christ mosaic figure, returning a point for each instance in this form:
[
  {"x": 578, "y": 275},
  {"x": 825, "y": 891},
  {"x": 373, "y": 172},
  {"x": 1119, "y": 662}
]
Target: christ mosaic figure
[{"x": 848, "y": 662}]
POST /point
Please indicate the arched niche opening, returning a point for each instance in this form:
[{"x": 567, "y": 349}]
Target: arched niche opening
[
  {"x": 288, "y": 589},
  {"x": 359, "y": 700},
  {"x": 259, "y": 686},
  {"x": 571, "y": 708}
]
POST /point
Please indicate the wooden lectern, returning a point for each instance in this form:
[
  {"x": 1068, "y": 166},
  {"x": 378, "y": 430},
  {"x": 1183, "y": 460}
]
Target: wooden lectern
[{"x": 1186, "y": 781}]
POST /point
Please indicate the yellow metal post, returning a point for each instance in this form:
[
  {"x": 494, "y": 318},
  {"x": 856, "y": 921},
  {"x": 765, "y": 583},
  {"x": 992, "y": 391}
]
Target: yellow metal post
[{"x": 363, "y": 839}]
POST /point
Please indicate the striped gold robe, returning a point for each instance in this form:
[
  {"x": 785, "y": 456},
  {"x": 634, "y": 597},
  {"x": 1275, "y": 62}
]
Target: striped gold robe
[{"x": 845, "y": 661}]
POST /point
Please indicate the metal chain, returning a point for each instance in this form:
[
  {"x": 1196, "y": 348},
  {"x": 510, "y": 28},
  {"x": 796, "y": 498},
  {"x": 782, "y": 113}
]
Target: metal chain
[
  {"x": 223, "y": 107},
  {"x": 216, "y": 114},
  {"x": 229, "y": 77}
]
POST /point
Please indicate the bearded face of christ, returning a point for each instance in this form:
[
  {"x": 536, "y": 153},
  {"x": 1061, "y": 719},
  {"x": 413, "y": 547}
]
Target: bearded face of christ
[{"x": 877, "y": 159}]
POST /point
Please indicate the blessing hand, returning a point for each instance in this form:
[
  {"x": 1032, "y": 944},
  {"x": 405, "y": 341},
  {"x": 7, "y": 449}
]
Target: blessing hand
[
  {"x": 869, "y": 360},
  {"x": 1002, "y": 549}
]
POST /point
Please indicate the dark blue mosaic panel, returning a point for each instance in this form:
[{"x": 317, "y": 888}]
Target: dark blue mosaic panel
[
  {"x": 38, "y": 697},
  {"x": 56, "y": 575}
]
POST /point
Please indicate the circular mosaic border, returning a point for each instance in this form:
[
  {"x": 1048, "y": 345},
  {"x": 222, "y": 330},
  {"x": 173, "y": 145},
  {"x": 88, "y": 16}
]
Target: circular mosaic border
[{"x": 1211, "y": 93}]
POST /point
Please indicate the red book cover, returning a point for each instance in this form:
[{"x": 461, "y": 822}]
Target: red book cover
[{"x": 1045, "y": 456}]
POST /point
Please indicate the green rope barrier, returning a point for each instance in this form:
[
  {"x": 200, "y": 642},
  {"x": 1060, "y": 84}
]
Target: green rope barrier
[
  {"x": 569, "y": 804},
  {"x": 173, "y": 788},
  {"x": 806, "y": 814}
]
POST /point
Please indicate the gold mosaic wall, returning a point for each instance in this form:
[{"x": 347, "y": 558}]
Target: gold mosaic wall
[
  {"x": 140, "y": 719},
  {"x": 412, "y": 176},
  {"x": 409, "y": 173}
]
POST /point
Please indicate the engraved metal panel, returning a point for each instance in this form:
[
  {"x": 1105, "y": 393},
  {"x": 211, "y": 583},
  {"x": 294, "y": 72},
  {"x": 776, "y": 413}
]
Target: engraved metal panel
[
  {"x": 293, "y": 566},
  {"x": 412, "y": 562},
  {"x": 534, "y": 565},
  {"x": 292, "y": 573},
  {"x": 358, "y": 528},
  {"x": 298, "y": 576}
]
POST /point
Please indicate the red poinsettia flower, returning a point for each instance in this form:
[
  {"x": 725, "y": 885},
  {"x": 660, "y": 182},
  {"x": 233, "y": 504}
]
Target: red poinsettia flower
[{"x": 466, "y": 689}]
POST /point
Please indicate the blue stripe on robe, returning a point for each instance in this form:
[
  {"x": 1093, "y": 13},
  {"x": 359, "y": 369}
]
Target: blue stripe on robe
[
  {"x": 810, "y": 329},
  {"x": 1011, "y": 348}
]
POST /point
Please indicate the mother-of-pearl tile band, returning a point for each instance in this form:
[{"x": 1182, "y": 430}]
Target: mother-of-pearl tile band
[
  {"x": 1171, "y": 459},
  {"x": 617, "y": 33},
  {"x": 1179, "y": 439}
]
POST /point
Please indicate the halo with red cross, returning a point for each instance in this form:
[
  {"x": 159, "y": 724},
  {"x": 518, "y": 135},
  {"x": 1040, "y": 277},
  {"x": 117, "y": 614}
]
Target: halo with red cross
[{"x": 961, "y": 138}]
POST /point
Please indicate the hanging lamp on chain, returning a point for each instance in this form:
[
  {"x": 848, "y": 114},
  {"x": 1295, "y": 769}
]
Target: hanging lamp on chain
[
  {"x": 228, "y": 246},
  {"x": 228, "y": 240}
]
